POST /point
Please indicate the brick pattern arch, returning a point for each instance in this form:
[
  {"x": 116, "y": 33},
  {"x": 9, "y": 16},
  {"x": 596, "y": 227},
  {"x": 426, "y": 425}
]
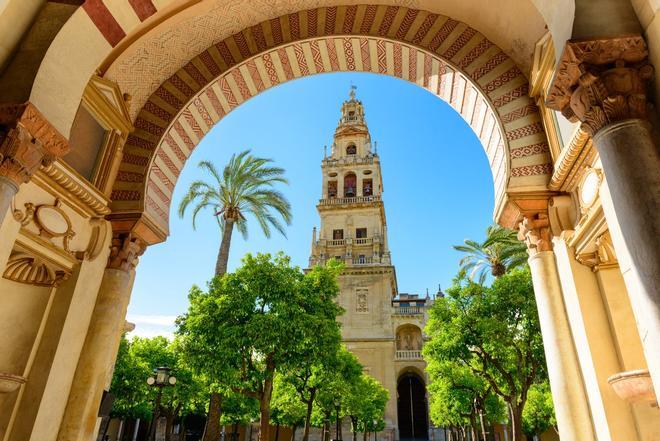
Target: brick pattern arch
[{"x": 444, "y": 56}]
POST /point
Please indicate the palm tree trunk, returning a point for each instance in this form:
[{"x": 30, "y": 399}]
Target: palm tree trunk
[{"x": 223, "y": 252}]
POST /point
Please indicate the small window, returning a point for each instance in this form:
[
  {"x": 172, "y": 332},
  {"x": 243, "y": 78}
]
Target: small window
[
  {"x": 350, "y": 182},
  {"x": 367, "y": 187},
  {"x": 337, "y": 257},
  {"x": 362, "y": 259},
  {"x": 337, "y": 234},
  {"x": 360, "y": 233},
  {"x": 332, "y": 189},
  {"x": 351, "y": 149}
]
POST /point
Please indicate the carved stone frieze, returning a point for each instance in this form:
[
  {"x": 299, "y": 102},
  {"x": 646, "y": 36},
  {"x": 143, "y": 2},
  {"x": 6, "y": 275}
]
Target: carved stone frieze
[
  {"x": 602, "y": 81},
  {"x": 125, "y": 250},
  {"x": 534, "y": 229},
  {"x": 59, "y": 175},
  {"x": 28, "y": 142}
]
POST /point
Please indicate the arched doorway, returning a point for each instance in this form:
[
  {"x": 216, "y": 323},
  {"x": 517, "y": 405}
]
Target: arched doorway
[{"x": 412, "y": 407}]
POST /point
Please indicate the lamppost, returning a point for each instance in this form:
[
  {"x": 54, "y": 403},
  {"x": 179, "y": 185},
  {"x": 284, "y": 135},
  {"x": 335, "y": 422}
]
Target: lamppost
[
  {"x": 160, "y": 379},
  {"x": 337, "y": 404}
]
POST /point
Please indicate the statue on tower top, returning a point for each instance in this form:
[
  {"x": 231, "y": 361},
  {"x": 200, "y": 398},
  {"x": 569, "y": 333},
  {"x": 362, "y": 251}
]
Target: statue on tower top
[{"x": 351, "y": 94}]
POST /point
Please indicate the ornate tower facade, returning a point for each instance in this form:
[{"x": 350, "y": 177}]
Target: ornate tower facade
[{"x": 385, "y": 337}]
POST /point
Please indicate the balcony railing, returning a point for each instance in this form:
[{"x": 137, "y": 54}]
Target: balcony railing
[
  {"x": 363, "y": 260},
  {"x": 337, "y": 242},
  {"x": 409, "y": 355},
  {"x": 363, "y": 240},
  {"x": 349, "y": 160},
  {"x": 408, "y": 310},
  {"x": 355, "y": 200}
]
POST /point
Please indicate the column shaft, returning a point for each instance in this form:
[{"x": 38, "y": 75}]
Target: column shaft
[
  {"x": 571, "y": 408},
  {"x": 632, "y": 167},
  {"x": 8, "y": 190},
  {"x": 97, "y": 357}
]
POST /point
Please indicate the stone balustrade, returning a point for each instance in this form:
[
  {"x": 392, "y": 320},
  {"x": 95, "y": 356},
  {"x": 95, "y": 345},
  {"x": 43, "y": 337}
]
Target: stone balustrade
[
  {"x": 408, "y": 310},
  {"x": 354, "y": 200},
  {"x": 409, "y": 355}
]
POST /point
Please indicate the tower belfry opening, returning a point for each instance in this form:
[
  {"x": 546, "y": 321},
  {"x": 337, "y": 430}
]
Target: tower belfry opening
[{"x": 378, "y": 323}]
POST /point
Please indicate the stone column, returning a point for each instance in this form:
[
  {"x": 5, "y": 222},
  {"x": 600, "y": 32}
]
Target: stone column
[
  {"x": 102, "y": 341},
  {"x": 603, "y": 84},
  {"x": 27, "y": 141},
  {"x": 568, "y": 392}
]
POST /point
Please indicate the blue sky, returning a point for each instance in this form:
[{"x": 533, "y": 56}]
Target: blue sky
[{"x": 438, "y": 187}]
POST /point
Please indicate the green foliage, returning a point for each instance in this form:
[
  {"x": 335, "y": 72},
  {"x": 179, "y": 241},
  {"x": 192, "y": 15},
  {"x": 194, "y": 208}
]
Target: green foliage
[
  {"x": 498, "y": 254},
  {"x": 457, "y": 396},
  {"x": 365, "y": 404},
  {"x": 129, "y": 384},
  {"x": 245, "y": 187},
  {"x": 266, "y": 317},
  {"x": 135, "y": 363},
  {"x": 337, "y": 380},
  {"x": 539, "y": 414},
  {"x": 286, "y": 406},
  {"x": 238, "y": 409},
  {"x": 493, "y": 332}
]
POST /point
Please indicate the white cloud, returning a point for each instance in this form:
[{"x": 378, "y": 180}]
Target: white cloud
[{"x": 149, "y": 326}]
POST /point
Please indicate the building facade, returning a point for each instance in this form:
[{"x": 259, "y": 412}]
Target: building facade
[{"x": 382, "y": 328}]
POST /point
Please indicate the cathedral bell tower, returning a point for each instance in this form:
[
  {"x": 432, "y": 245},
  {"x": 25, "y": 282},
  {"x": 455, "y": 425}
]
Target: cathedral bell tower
[
  {"x": 354, "y": 230},
  {"x": 353, "y": 226}
]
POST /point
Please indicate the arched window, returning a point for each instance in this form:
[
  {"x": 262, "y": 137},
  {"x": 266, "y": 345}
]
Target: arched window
[
  {"x": 351, "y": 149},
  {"x": 350, "y": 183}
]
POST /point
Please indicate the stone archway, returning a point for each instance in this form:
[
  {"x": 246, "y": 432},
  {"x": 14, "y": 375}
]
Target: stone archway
[{"x": 442, "y": 55}]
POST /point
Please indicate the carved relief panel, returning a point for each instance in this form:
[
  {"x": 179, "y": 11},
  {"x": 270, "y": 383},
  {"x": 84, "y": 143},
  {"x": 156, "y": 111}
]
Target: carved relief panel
[{"x": 409, "y": 338}]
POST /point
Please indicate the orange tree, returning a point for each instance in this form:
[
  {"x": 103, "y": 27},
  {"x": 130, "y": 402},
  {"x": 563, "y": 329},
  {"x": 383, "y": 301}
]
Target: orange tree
[{"x": 260, "y": 320}]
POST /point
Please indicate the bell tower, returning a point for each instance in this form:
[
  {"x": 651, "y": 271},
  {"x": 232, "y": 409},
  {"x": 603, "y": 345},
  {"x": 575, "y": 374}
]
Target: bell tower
[{"x": 353, "y": 229}]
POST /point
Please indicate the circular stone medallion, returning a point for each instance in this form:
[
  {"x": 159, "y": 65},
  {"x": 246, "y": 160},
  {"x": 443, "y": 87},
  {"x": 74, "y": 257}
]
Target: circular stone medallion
[{"x": 53, "y": 220}]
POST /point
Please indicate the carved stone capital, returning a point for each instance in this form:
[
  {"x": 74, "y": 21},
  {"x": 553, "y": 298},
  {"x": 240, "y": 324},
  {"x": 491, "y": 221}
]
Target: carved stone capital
[
  {"x": 125, "y": 251},
  {"x": 534, "y": 229},
  {"x": 27, "y": 142},
  {"x": 602, "y": 81}
]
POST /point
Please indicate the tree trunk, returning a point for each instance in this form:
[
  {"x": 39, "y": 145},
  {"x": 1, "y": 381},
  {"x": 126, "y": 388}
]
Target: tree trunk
[
  {"x": 364, "y": 435},
  {"x": 264, "y": 407},
  {"x": 473, "y": 428},
  {"x": 483, "y": 425},
  {"x": 293, "y": 432},
  {"x": 277, "y": 432},
  {"x": 212, "y": 431},
  {"x": 169, "y": 425},
  {"x": 354, "y": 427},
  {"x": 223, "y": 252},
  {"x": 516, "y": 423},
  {"x": 308, "y": 415}
]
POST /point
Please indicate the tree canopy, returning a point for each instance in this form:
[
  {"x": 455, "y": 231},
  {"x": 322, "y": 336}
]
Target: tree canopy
[
  {"x": 494, "y": 333},
  {"x": 265, "y": 317}
]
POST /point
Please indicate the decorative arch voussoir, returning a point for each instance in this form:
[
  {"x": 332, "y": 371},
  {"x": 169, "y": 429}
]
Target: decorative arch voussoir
[{"x": 442, "y": 55}]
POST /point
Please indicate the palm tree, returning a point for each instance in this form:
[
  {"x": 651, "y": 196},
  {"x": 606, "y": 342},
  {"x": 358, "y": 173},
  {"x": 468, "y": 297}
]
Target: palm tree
[
  {"x": 499, "y": 253},
  {"x": 245, "y": 188}
]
